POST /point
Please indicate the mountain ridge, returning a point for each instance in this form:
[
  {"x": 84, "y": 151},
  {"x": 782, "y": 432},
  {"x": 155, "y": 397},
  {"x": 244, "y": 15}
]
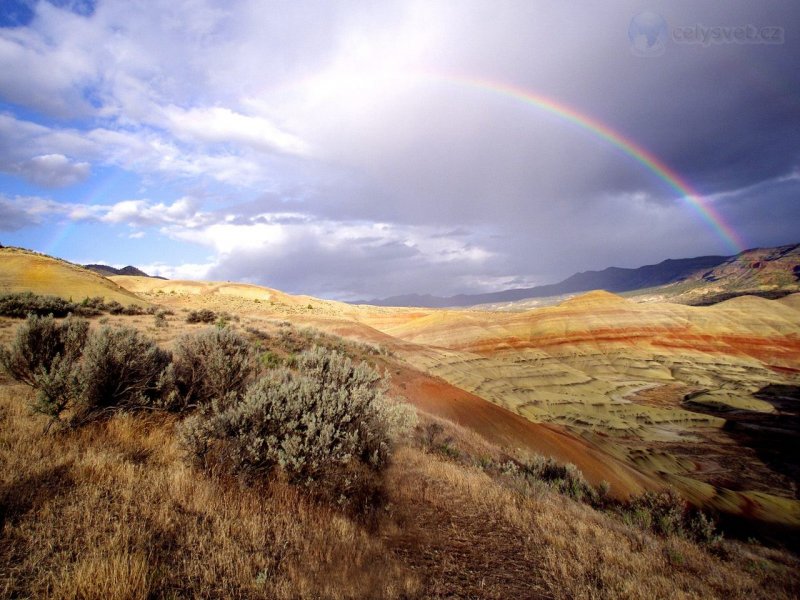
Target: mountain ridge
[
  {"x": 750, "y": 269},
  {"x": 612, "y": 279},
  {"x": 130, "y": 270}
]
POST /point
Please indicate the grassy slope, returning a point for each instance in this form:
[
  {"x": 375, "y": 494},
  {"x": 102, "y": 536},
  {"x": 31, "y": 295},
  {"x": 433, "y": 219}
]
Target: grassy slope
[
  {"x": 23, "y": 271},
  {"x": 112, "y": 511}
]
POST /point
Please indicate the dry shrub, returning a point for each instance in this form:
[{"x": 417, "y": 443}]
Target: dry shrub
[
  {"x": 204, "y": 315},
  {"x": 121, "y": 369},
  {"x": 327, "y": 428},
  {"x": 111, "y": 511},
  {"x": 43, "y": 356},
  {"x": 22, "y": 304},
  {"x": 565, "y": 478},
  {"x": 666, "y": 513},
  {"x": 209, "y": 365}
]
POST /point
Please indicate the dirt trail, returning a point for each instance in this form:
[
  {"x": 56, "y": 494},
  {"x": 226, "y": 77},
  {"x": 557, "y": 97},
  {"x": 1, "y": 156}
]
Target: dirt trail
[{"x": 458, "y": 549}]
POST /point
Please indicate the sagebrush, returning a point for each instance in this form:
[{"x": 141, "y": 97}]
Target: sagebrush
[
  {"x": 326, "y": 426},
  {"x": 122, "y": 368},
  {"x": 44, "y": 355},
  {"x": 213, "y": 364}
]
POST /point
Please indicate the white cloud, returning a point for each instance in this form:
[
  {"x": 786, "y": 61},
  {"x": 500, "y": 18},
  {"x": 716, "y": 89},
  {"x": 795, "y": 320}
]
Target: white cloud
[
  {"x": 42, "y": 68},
  {"x": 183, "y": 213},
  {"x": 180, "y": 271},
  {"x": 40, "y": 154},
  {"x": 222, "y": 125},
  {"x": 141, "y": 213}
]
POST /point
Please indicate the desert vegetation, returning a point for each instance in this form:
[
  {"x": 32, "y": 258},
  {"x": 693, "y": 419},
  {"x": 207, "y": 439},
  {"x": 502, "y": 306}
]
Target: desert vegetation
[
  {"x": 206, "y": 471},
  {"x": 22, "y": 304}
]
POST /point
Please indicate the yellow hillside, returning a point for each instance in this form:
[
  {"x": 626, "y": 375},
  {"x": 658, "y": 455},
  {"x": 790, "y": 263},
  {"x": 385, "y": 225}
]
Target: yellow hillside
[{"x": 24, "y": 271}]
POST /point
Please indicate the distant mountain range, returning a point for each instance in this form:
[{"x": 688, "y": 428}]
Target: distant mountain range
[
  {"x": 750, "y": 266},
  {"x": 106, "y": 271}
]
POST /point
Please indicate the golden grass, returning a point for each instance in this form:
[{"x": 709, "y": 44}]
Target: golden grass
[
  {"x": 556, "y": 548},
  {"x": 25, "y": 271},
  {"x": 112, "y": 511}
]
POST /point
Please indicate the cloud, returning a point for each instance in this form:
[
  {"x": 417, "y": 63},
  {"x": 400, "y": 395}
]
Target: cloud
[
  {"x": 141, "y": 213},
  {"x": 183, "y": 212},
  {"x": 52, "y": 170},
  {"x": 222, "y": 125},
  {"x": 39, "y": 153},
  {"x": 17, "y": 214},
  {"x": 181, "y": 271},
  {"x": 360, "y": 149}
]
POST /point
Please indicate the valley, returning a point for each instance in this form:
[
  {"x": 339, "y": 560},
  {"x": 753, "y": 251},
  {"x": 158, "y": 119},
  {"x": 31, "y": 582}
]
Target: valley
[
  {"x": 651, "y": 388},
  {"x": 640, "y": 396}
]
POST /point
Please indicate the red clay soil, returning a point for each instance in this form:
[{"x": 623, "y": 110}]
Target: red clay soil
[{"x": 507, "y": 429}]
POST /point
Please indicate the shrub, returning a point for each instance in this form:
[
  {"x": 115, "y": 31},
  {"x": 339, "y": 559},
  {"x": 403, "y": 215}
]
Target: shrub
[
  {"x": 398, "y": 417},
  {"x": 270, "y": 360},
  {"x": 325, "y": 428},
  {"x": 213, "y": 364},
  {"x": 666, "y": 513},
  {"x": 662, "y": 512},
  {"x": 20, "y": 305},
  {"x": 203, "y": 315},
  {"x": 702, "y": 528},
  {"x": 94, "y": 302},
  {"x": 134, "y": 310},
  {"x": 43, "y": 356},
  {"x": 160, "y": 320},
  {"x": 565, "y": 478},
  {"x": 90, "y": 307},
  {"x": 114, "y": 307},
  {"x": 121, "y": 369}
]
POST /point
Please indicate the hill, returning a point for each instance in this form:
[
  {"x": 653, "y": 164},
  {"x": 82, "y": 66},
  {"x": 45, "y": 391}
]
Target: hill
[
  {"x": 637, "y": 395},
  {"x": 108, "y": 271},
  {"x": 612, "y": 279},
  {"x": 26, "y": 271}
]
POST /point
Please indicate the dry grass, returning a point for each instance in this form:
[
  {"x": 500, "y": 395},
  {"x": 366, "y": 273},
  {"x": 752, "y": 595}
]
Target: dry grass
[
  {"x": 112, "y": 510},
  {"x": 474, "y": 538}
]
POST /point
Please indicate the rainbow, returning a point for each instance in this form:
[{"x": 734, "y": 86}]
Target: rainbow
[
  {"x": 98, "y": 193},
  {"x": 702, "y": 207}
]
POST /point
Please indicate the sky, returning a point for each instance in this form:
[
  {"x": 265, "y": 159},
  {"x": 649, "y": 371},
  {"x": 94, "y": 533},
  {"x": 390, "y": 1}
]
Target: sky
[{"x": 356, "y": 150}]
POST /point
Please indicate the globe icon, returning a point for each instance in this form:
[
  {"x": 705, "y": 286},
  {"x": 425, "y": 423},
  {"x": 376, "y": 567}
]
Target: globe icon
[{"x": 648, "y": 34}]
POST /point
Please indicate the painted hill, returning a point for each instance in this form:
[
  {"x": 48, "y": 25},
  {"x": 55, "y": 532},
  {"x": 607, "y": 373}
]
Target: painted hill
[
  {"x": 637, "y": 394},
  {"x": 765, "y": 272},
  {"x": 26, "y": 271},
  {"x": 109, "y": 271},
  {"x": 656, "y": 385}
]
